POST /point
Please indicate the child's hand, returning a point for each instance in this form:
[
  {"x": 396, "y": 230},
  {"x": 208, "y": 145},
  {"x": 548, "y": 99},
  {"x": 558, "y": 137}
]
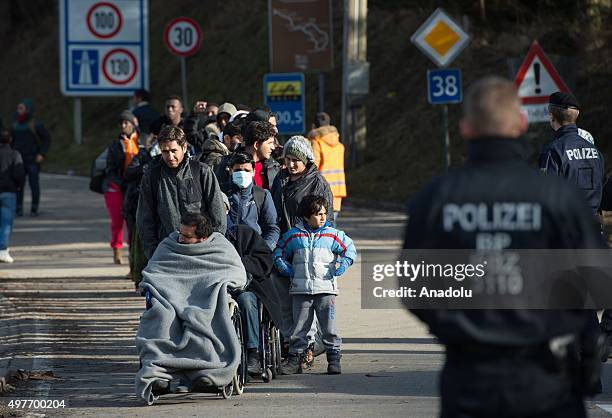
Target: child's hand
[
  {"x": 340, "y": 270},
  {"x": 284, "y": 268}
]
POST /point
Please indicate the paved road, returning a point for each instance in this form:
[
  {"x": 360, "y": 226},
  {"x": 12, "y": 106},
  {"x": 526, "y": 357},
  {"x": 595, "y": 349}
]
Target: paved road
[{"x": 66, "y": 309}]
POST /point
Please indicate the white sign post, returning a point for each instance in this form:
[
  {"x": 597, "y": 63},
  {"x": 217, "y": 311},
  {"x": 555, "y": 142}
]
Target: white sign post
[
  {"x": 104, "y": 49},
  {"x": 183, "y": 37}
]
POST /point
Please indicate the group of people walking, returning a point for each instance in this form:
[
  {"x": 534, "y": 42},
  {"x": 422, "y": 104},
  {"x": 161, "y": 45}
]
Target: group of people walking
[{"x": 226, "y": 163}]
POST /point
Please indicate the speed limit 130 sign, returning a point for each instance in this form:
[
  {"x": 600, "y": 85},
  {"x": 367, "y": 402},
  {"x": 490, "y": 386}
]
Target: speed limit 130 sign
[
  {"x": 444, "y": 86},
  {"x": 183, "y": 36}
]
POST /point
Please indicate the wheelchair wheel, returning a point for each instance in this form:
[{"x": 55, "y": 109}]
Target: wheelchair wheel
[
  {"x": 240, "y": 378},
  {"x": 227, "y": 390}
]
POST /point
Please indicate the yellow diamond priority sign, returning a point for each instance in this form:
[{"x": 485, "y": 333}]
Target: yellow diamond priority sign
[{"x": 440, "y": 38}]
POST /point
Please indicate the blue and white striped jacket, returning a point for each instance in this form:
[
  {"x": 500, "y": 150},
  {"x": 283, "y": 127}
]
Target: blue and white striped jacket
[{"x": 314, "y": 255}]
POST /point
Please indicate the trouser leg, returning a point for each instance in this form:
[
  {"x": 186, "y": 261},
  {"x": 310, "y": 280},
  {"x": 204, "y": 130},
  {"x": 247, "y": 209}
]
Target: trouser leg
[
  {"x": 8, "y": 203},
  {"x": 303, "y": 315},
  {"x": 247, "y": 301},
  {"x": 325, "y": 307}
]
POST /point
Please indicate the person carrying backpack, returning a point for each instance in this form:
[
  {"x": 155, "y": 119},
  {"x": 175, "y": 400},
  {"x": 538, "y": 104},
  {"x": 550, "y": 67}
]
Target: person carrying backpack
[
  {"x": 250, "y": 204},
  {"x": 32, "y": 141}
]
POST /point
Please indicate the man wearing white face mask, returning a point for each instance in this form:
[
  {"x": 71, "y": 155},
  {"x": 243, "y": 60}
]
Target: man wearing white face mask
[{"x": 249, "y": 204}]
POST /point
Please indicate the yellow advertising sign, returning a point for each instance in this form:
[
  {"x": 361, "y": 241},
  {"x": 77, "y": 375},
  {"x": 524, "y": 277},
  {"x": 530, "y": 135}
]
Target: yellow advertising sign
[{"x": 284, "y": 88}]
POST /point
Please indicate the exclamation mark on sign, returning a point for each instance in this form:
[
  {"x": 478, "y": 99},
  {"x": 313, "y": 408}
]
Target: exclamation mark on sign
[{"x": 536, "y": 70}]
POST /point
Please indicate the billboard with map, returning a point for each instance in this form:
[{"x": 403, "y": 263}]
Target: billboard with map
[{"x": 300, "y": 35}]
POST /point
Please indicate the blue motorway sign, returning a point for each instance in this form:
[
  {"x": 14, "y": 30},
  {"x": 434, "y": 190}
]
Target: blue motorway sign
[
  {"x": 104, "y": 47},
  {"x": 284, "y": 94},
  {"x": 444, "y": 86}
]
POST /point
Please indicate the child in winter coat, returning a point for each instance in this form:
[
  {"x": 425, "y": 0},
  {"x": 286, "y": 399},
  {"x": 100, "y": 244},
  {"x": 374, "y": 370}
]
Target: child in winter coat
[{"x": 313, "y": 255}]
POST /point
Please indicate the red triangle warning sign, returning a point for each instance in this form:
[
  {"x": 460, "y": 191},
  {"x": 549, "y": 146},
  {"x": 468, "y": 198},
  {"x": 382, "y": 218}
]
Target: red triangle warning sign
[{"x": 537, "y": 78}]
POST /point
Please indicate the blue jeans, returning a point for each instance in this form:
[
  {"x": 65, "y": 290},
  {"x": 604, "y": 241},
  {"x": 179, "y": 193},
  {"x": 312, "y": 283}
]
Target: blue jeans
[
  {"x": 32, "y": 169},
  {"x": 247, "y": 301},
  {"x": 8, "y": 203}
]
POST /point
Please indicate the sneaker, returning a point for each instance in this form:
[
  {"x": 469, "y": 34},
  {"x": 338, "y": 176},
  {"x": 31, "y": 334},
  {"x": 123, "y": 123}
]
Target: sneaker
[
  {"x": 333, "y": 362},
  {"x": 293, "y": 365},
  {"x": 160, "y": 387},
  {"x": 308, "y": 358},
  {"x": 253, "y": 365},
  {"x": 182, "y": 389},
  {"x": 5, "y": 257}
]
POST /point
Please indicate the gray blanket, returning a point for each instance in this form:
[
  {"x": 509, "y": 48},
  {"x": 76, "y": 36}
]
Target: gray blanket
[{"x": 188, "y": 331}]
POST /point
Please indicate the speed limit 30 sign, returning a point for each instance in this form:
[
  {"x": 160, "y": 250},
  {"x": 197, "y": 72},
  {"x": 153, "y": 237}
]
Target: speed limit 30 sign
[
  {"x": 103, "y": 47},
  {"x": 183, "y": 36}
]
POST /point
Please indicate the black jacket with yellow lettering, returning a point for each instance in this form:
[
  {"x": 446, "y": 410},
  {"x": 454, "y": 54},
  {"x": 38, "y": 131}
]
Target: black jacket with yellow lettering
[
  {"x": 571, "y": 157},
  {"x": 497, "y": 192}
]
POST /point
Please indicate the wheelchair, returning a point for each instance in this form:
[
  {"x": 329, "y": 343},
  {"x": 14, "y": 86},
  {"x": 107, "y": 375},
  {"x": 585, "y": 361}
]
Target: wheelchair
[
  {"x": 269, "y": 345},
  {"x": 238, "y": 383}
]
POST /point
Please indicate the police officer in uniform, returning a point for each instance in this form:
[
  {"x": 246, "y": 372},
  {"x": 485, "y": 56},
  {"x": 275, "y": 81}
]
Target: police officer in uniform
[
  {"x": 498, "y": 362},
  {"x": 568, "y": 155}
]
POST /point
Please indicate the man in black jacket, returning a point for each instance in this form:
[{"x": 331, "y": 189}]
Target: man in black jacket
[
  {"x": 500, "y": 362},
  {"x": 12, "y": 176},
  {"x": 32, "y": 141}
]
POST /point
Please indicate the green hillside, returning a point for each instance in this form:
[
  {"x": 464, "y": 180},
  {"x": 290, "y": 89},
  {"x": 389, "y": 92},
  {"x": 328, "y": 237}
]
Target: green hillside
[{"x": 404, "y": 131}]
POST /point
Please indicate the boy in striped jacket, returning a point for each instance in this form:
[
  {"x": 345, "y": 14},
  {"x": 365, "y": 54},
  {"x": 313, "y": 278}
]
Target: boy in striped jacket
[{"x": 313, "y": 255}]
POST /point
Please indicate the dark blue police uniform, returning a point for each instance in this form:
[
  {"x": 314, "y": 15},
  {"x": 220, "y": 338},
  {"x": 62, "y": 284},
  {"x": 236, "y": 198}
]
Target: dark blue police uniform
[
  {"x": 578, "y": 161},
  {"x": 498, "y": 362}
]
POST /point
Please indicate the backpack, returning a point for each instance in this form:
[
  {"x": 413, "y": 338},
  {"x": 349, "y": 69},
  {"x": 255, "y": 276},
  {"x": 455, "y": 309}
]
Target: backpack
[{"x": 98, "y": 170}]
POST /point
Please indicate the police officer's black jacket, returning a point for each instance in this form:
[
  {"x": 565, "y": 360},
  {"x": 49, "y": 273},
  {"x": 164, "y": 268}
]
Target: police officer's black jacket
[
  {"x": 497, "y": 173},
  {"x": 572, "y": 157}
]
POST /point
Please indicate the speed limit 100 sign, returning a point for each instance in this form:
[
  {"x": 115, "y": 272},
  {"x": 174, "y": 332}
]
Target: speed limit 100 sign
[{"x": 183, "y": 36}]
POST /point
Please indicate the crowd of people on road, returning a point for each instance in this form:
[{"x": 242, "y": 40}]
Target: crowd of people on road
[{"x": 277, "y": 204}]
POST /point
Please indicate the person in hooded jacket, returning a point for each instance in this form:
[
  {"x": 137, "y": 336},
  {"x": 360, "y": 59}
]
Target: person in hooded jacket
[
  {"x": 121, "y": 152},
  {"x": 328, "y": 154},
  {"x": 301, "y": 178},
  {"x": 12, "y": 176},
  {"x": 32, "y": 141}
]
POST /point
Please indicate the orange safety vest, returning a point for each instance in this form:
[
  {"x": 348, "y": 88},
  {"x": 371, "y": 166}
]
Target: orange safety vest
[{"x": 329, "y": 157}]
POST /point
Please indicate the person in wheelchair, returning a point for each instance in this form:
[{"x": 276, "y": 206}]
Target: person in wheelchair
[
  {"x": 257, "y": 260},
  {"x": 187, "y": 331}
]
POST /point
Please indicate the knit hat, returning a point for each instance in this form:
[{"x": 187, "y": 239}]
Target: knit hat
[
  {"x": 300, "y": 148},
  {"x": 127, "y": 115}
]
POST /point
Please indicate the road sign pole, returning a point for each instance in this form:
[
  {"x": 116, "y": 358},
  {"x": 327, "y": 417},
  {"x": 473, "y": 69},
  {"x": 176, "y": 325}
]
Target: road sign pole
[
  {"x": 447, "y": 156},
  {"x": 184, "y": 81},
  {"x": 321, "y": 91},
  {"x": 78, "y": 138}
]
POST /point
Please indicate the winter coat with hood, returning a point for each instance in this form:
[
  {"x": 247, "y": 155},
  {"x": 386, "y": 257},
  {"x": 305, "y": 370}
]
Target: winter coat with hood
[
  {"x": 161, "y": 205},
  {"x": 29, "y": 135},
  {"x": 329, "y": 157},
  {"x": 288, "y": 194},
  {"x": 12, "y": 173},
  {"x": 213, "y": 151},
  {"x": 313, "y": 254}
]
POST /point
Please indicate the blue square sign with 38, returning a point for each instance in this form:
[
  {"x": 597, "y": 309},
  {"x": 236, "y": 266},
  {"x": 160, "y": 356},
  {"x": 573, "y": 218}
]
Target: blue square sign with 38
[{"x": 444, "y": 86}]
